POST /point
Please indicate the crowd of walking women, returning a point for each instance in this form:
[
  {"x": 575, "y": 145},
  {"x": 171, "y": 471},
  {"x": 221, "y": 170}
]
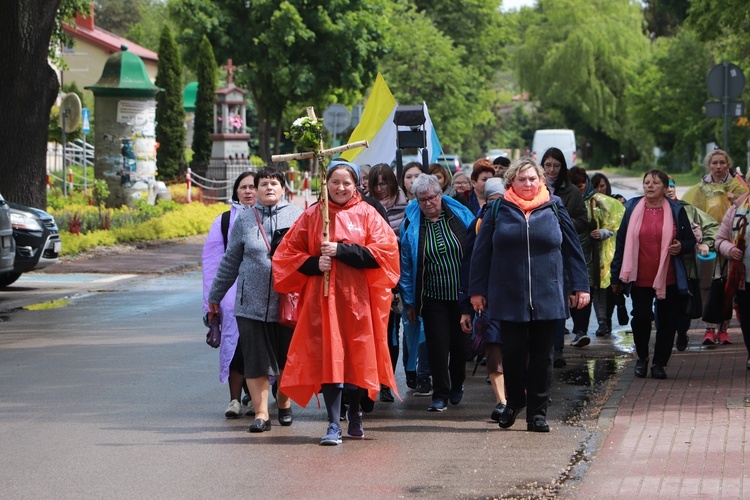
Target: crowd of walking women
[{"x": 501, "y": 256}]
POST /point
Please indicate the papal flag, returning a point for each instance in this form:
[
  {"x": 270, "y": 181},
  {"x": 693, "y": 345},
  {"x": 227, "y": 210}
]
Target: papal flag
[{"x": 377, "y": 127}]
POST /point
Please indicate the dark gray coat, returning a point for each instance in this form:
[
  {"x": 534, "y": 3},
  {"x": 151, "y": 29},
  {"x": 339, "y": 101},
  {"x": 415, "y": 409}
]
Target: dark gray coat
[{"x": 248, "y": 261}]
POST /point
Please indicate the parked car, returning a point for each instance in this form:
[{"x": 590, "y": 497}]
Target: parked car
[
  {"x": 7, "y": 243},
  {"x": 37, "y": 241},
  {"x": 453, "y": 162}
]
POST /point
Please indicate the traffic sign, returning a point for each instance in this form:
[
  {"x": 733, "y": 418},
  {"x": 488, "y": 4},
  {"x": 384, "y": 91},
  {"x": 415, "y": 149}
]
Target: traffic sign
[
  {"x": 725, "y": 76},
  {"x": 86, "y": 117},
  {"x": 336, "y": 118},
  {"x": 715, "y": 109}
]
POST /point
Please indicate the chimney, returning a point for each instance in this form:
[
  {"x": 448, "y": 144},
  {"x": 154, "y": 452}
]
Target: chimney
[{"x": 87, "y": 22}]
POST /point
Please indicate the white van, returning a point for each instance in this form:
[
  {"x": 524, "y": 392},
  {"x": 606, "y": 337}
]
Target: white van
[{"x": 563, "y": 139}]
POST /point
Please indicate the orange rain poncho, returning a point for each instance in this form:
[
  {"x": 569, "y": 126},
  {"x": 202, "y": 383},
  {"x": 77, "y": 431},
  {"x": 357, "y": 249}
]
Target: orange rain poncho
[{"x": 341, "y": 338}]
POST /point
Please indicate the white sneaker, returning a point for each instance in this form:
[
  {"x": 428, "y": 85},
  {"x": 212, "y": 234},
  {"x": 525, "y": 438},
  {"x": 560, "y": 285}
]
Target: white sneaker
[{"x": 234, "y": 410}]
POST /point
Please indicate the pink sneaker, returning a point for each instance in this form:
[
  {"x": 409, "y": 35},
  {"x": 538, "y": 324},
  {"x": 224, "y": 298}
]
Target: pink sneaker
[
  {"x": 724, "y": 338},
  {"x": 710, "y": 337}
]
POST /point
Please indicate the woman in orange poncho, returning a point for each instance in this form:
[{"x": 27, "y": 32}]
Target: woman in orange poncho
[{"x": 340, "y": 340}]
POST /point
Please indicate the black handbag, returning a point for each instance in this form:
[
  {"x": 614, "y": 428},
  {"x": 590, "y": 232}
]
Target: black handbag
[
  {"x": 693, "y": 305},
  {"x": 713, "y": 312}
]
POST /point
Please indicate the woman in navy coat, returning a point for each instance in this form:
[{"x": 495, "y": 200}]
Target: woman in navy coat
[{"x": 528, "y": 268}]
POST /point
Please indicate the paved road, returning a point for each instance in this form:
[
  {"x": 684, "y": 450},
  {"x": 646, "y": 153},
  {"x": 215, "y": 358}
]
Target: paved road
[{"x": 115, "y": 393}]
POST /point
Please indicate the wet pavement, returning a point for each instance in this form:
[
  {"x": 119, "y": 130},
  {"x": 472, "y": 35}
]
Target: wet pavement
[{"x": 623, "y": 437}]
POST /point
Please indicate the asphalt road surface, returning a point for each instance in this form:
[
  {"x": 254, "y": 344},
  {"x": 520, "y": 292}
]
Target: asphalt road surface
[{"x": 114, "y": 393}]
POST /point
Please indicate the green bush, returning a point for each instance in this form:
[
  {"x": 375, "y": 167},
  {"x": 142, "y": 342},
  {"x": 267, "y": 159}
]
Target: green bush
[{"x": 179, "y": 222}]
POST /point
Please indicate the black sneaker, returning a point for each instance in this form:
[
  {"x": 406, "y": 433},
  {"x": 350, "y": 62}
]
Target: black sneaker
[
  {"x": 411, "y": 380},
  {"x": 580, "y": 340},
  {"x": 385, "y": 394},
  {"x": 603, "y": 330},
  {"x": 424, "y": 388}
]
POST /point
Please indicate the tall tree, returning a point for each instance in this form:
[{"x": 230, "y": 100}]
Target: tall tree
[
  {"x": 204, "y": 104},
  {"x": 667, "y": 94},
  {"x": 295, "y": 52},
  {"x": 476, "y": 26},
  {"x": 579, "y": 60},
  {"x": 118, "y": 16},
  {"x": 170, "y": 115},
  {"x": 28, "y": 30},
  {"x": 426, "y": 66}
]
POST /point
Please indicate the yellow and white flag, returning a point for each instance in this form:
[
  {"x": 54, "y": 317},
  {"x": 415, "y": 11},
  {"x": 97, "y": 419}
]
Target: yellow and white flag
[{"x": 378, "y": 128}]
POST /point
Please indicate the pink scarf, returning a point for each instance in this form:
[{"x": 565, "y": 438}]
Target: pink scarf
[{"x": 629, "y": 270}]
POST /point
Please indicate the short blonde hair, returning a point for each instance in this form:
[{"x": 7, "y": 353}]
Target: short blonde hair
[
  {"x": 519, "y": 166},
  {"x": 717, "y": 152}
]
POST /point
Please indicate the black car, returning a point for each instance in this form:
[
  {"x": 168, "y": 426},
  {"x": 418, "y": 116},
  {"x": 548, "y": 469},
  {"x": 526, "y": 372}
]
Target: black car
[
  {"x": 7, "y": 243},
  {"x": 37, "y": 241}
]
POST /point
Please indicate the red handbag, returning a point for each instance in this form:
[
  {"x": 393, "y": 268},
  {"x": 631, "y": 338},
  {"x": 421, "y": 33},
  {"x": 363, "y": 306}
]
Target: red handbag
[
  {"x": 287, "y": 301},
  {"x": 288, "y": 309}
]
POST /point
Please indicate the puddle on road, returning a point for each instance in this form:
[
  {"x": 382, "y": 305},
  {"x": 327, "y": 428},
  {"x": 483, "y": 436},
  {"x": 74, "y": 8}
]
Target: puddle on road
[{"x": 593, "y": 372}]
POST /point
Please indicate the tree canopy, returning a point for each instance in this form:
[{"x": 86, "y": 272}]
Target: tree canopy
[
  {"x": 580, "y": 58},
  {"x": 294, "y": 52}
]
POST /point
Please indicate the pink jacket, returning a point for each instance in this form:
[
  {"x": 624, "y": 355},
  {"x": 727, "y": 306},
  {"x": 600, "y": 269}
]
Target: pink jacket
[{"x": 724, "y": 243}]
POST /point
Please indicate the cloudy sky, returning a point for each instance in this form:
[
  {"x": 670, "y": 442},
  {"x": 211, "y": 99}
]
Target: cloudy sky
[{"x": 516, "y": 4}]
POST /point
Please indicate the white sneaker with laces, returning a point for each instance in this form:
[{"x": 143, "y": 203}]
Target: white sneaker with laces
[{"x": 234, "y": 410}]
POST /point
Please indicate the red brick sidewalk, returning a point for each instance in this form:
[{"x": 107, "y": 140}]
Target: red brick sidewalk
[{"x": 683, "y": 437}]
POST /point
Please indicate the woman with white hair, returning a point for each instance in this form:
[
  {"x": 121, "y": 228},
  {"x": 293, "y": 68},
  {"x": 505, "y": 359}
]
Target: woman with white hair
[{"x": 432, "y": 246}]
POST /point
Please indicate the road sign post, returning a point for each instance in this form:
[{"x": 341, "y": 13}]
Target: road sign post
[
  {"x": 85, "y": 128},
  {"x": 725, "y": 81}
]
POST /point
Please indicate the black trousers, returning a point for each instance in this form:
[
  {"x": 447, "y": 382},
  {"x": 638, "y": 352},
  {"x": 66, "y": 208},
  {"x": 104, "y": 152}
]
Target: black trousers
[
  {"x": 527, "y": 361},
  {"x": 446, "y": 345},
  {"x": 668, "y": 311}
]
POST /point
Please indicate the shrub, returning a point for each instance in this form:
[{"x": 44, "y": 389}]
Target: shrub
[{"x": 181, "y": 221}]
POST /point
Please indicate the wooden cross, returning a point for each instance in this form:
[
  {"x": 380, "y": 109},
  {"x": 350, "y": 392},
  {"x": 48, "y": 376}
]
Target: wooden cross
[
  {"x": 230, "y": 71},
  {"x": 317, "y": 157}
]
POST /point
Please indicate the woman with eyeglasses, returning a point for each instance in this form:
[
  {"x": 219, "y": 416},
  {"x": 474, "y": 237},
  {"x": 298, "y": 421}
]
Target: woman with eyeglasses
[
  {"x": 432, "y": 245},
  {"x": 556, "y": 174},
  {"x": 462, "y": 183},
  {"x": 527, "y": 268},
  {"x": 445, "y": 178}
]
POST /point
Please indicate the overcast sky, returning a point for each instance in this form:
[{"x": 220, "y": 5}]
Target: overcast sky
[{"x": 516, "y": 4}]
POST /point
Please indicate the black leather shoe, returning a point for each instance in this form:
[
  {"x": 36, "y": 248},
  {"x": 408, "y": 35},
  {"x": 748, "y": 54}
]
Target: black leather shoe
[
  {"x": 286, "y": 417},
  {"x": 658, "y": 372},
  {"x": 682, "y": 341},
  {"x": 641, "y": 367},
  {"x": 260, "y": 425},
  {"x": 507, "y": 417},
  {"x": 538, "y": 424},
  {"x": 497, "y": 412}
]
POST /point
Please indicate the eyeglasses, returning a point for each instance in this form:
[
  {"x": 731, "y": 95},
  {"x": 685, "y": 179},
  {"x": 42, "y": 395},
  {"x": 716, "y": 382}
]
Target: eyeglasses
[
  {"x": 461, "y": 183},
  {"x": 429, "y": 199},
  {"x": 552, "y": 165},
  {"x": 380, "y": 185}
]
